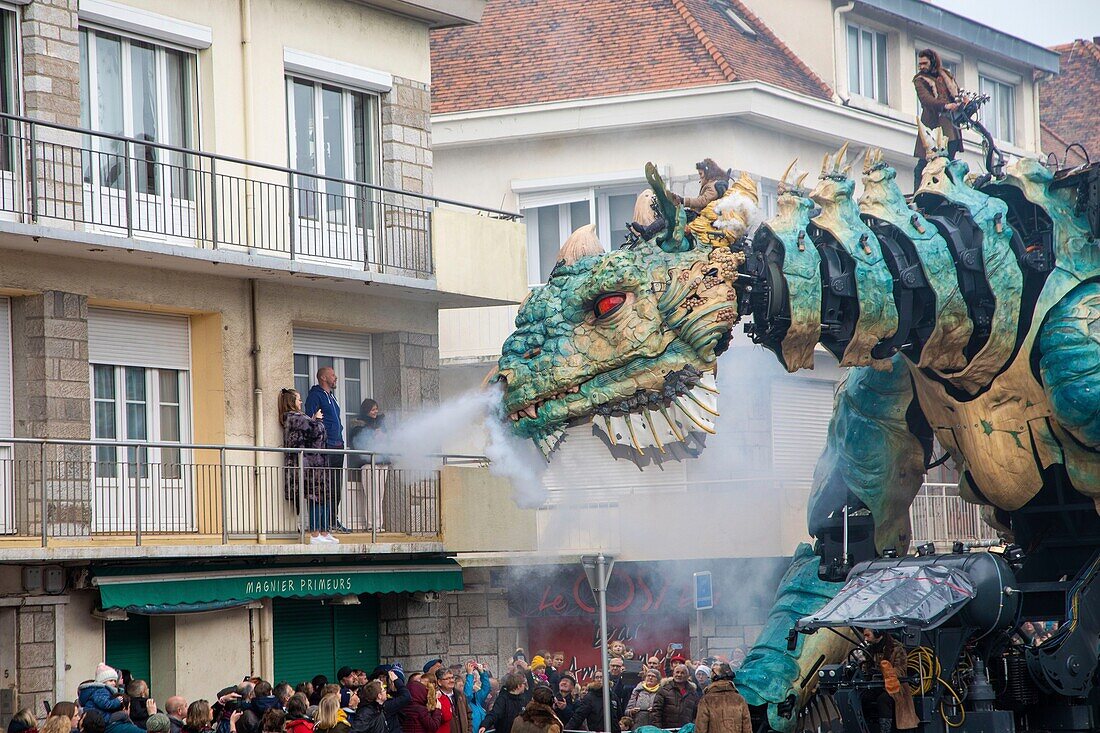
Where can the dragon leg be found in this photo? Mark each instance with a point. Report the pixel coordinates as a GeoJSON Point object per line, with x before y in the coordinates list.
{"type": "Point", "coordinates": [873, 460]}
{"type": "Point", "coordinates": [1069, 342]}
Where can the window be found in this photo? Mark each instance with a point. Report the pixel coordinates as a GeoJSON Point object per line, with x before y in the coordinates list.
{"type": "Point", "coordinates": [8, 85]}
{"type": "Point", "coordinates": [333, 132]}
{"type": "Point", "coordinates": [867, 63]}
{"type": "Point", "coordinates": [143, 404]}
{"type": "Point", "coordinates": [549, 225]}
{"type": "Point", "coordinates": [142, 90]}
{"type": "Point", "coordinates": [999, 113]}
{"type": "Point", "coordinates": [352, 375]}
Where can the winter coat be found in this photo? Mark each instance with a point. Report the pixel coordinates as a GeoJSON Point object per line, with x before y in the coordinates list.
{"type": "Point", "coordinates": [342, 725]}
{"type": "Point", "coordinates": [299, 725]}
{"type": "Point", "coordinates": [642, 701]}
{"type": "Point", "coordinates": [620, 692]}
{"type": "Point", "coordinates": [370, 718]}
{"type": "Point", "coordinates": [708, 191]}
{"type": "Point", "coordinates": [302, 431]}
{"type": "Point", "coordinates": [905, 714]}
{"type": "Point", "coordinates": [506, 709]}
{"type": "Point", "coordinates": [318, 399]}
{"type": "Point", "coordinates": [477, 698]}
{"type": "Point", "coordinates": [673, 708]}
{"type": "Point", "coordinates": [261, 705]}
{"type": "Point", "coordinates": [176, 723]}
{"type": "Point", "coordinates": [461, 717]}
{"type": "Point", "coordinates": [120, 723]}
{"type": "Point", "coordinates": [588, 715]}
{"type": "Point", "coordinates": [416, 718]}
{"type": "Point", "coordinates": [935, 93]}
{"type": "Point", "coordinates": [537, 718]}
{"type": "Point", "coordinates": [103, 698]}
{"type": "Point", "coordinates": [722, 710]}
{"type": "Point", "coordinates": [447, 709]}
{"type": "Point", "coordinates": [364, 720]}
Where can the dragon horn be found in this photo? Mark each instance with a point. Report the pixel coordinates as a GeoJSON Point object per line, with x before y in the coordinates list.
{"type": "Point", "coordinates": [783, 178]}
{"type": "Point", "coordinates": [941, 140]}
{"type": "Point", "coordinates": [801, 178]}
{"type": "Point", "coordinates": [923, 134]}
{"type": "Point", "coordinates": [841, 156]}
{"type": "Point", "coordinates": [825, 166]}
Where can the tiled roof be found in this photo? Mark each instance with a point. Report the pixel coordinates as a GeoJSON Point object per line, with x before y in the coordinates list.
{"type": "Point", "coordinates": [1067, 103]}
{"type": "Point", "coordinates": [532, 51]}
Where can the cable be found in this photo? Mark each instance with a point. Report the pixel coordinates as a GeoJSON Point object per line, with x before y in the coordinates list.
{"type": "Point", "coordinates": [958, 700]}
{"type": "Point", "coordinates": [923, 662]}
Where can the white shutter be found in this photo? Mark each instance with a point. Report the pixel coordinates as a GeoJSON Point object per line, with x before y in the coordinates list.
{"type": "Point", "coordinates": [5, 369]}
{"type": "Point", "coordinates": [584, 470]}
{"type": "Point", "coordinates": [133, 338]}
{"type": "Point", "coordinates": [332, 343]}
{"type": "Point", "coordinates": [801, 409]}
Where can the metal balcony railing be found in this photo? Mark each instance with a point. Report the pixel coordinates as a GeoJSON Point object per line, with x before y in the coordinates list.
{"type": "Point", "coordinates": [80, 489]}
{"type": "Point", "coordinates": [149, 190]}
{"type": "Point", "coordinates": [940, 515]}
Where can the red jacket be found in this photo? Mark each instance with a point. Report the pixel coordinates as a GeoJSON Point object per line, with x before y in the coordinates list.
{"type": "Point", "coordinates": [415, 717]}
{"type": "Point", "coordinates": [448, 714]}
{"type": "Point", "coordinates": [299, 725]}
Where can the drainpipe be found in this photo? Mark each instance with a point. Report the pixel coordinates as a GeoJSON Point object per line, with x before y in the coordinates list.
{"type": "Point", "coordinates": [840, 33]}
{"type": "Point", "coordinates": [246, 92]}
{"type": "Point", "coordinates": [257, 391]}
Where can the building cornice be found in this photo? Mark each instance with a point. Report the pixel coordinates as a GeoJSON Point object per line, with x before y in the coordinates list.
{"type": "Point", "coordinates": [758, 103]}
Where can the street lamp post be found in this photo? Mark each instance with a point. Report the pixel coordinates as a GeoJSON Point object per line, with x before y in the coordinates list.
{"type": "Point", "coordinates": [598, 570]}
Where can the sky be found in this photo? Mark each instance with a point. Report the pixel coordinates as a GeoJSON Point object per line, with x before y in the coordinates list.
{"type": "Point", "coordinates": [1046, 22]}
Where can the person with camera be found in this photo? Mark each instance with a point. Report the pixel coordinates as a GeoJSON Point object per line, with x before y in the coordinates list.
{"type": "Point", "coordinates": [938, 93]}
{"type": "Point", "coordinates": [565, 701]}
{"type": "Point", "coordinates": [476, 686]}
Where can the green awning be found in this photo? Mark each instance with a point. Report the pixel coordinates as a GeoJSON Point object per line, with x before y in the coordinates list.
{"type": "Point", "coordinates": [134, 589]}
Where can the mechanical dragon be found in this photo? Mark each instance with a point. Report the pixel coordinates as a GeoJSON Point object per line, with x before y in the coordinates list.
{"type": "Point", "coordinates": [969, 313]}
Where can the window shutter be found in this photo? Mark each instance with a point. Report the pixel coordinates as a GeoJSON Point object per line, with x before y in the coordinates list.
{"type": "Point", "coordinates": [332, 343]}
{"type": "Point", "coordinates": [312, 637]}
{"type": "Point", "coordinates": [133, 338]}
{"type": "Point", "coordinates": [801, 410]}
{"type": "Point", "coordinates": [127, 646]}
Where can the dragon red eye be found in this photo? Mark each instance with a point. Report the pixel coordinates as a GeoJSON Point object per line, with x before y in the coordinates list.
{"type": "Point", "coordinates": [607, 304]}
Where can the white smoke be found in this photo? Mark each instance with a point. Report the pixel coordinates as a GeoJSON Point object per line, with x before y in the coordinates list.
{"type": "Point", "coordinates": [416, 444]}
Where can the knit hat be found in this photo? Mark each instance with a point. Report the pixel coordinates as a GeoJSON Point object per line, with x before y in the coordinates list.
{"type": "Point", "coordinates": [431, 663]}
{"type": "Point", "coordinates": [537, 662]}
{"type": "Point", "coordinates": [704, 669]}
{"type": "Point", "coordinates": [104, 674]}
{"type": "Point", "coordinates": [158, 723]}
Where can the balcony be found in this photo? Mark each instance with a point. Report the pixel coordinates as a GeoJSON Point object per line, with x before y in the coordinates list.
{"type": "Point", "coordinates": [64, 495]}
{"type": "Point", "coordinates": [940, 515]}
{"type": "Point", "coordinates": [170, 197]}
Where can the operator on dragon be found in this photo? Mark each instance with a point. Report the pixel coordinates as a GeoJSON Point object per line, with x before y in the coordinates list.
{"type": "Point", "coordinates": [938, 93]}
{"type": "Point", "coordinates": [893, 705]}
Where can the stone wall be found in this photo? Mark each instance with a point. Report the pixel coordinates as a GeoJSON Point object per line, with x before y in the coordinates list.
{"type": "Point", "coordinates": [407, 137]}
{"type": "Point", "coordinates": [472, 623]}
{"type": "Point", "coordinates": [406, 370]}
{"type": "Point", "coordinates": [37, 656]}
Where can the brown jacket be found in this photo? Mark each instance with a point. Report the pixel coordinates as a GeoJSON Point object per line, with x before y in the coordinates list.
{"type": "Point", "coordinates": [537, 718]}
{"type": "Point", "coordinates": [461, 719]}
{"type": "Point", "coordinates": [905, 714]}
{"type": "Point", "coordinates": [935, 93]}
{"type": "Point", "coordinates": [722, 710]}
{"type": "Point", "coordinates": [707, 193]}
{"type": "Point", "coordinates": [673, 708]}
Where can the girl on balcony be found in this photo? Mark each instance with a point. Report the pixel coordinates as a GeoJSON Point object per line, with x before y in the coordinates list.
{"type": "Point", "coordinates": [302, 431]}
{"type": "Point", "coordinates": [366, 432]}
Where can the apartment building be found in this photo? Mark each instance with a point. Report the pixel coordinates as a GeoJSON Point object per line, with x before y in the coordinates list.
{"type": "Point", "coordinates": [552, 109]}
{"type": "Point", "coordinates": [201, 204]}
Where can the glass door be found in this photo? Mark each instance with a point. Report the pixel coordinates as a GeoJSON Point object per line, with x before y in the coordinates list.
{"type": "Point", "coordinates": [332, 133]}
{"type": "Point", "coordinates": [141, 404]}
{"type": "Point", "coordinates": [140, 90]}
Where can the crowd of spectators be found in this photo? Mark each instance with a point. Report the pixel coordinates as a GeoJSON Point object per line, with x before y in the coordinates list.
{"type": "Point", "coordinates": [537, 696]}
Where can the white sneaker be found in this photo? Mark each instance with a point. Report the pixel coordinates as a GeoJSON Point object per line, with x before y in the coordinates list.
{"type": "Point", "coordinates": [330, 539]}
{"type": "Point", "coordinates": [318, 540]}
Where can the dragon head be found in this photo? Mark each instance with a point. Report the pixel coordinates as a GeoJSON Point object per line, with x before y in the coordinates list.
{"type": "Point", "coordinates": [621, 333]}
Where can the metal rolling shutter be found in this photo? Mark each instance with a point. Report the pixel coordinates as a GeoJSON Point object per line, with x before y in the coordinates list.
{"type": "Point", "coordinates": [5, 369]}
{"type": "Point", "coordinates": [127, 646]}
{"type": "Point", "coordinates": [312, 637]}
{"type": "Point", "coordinates": [801, 409]}
{"type": "Point", "coordinates": [133, 338]}
{"type": "Point", "coordinates": [332, 343]}
{"type": "Point", "coordinates": [586, 471]}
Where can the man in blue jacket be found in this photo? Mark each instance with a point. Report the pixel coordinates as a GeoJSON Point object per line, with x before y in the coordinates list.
{"type": "Point", "coordinates": [322, 397]}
